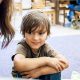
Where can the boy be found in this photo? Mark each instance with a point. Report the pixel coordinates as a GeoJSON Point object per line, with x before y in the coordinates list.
{"type": "Point", "coordinates": [34, 58]}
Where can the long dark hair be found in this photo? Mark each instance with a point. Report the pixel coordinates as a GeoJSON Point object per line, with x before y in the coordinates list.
{"type": "Point", "coordinates": [6, 28]}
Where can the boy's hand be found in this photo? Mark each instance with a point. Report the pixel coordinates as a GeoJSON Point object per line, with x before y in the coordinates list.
{"type": "Point", "coordinates": [31, 74]}
{"type": "Point", "coordinates": [55, 63]}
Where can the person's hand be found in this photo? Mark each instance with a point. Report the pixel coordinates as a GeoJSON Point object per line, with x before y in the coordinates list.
{"type": "Point", "coordinates": [31, 74]}
{"type": "Point", "coordinates": [55, 63]}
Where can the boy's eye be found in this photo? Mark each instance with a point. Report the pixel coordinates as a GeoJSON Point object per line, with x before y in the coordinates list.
{"type": "Point", "coordinates": [29, 32]}
{"type": "Point", "coordinates": [41, 33]}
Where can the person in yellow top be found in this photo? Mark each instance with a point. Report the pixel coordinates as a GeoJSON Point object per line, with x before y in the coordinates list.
{"type": "Point", "coordinates": [34, 58]}
{"type": "Point", "coordinates": [6, 29]}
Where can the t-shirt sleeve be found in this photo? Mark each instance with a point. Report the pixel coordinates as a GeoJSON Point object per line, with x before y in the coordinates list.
{"type": "Point", "coordinates": [20, 50]}
{"type": "Point", "coordinates": [50, 51]}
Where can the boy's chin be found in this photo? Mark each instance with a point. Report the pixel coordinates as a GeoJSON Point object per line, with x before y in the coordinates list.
{"type": "Point", "coordinates": [35, 48]}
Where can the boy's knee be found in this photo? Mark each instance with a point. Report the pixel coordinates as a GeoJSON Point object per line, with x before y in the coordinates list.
{"type": "Point", "coordinates": [56, 76]}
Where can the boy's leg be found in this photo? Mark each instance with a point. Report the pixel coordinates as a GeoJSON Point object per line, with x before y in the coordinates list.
{"type": "Point", "coordinates": [56, 76]}
{"type": "Point", "coordinates": [16, 75]}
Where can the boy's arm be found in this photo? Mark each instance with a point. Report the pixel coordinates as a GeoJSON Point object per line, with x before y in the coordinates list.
{"type": "Point", "coordinates": [56, 65]}
{"type": "Point", "coordinates": [59, 62]}
{"type": "Point", "coordinates": [25, 64]}
{"type": "Point", "coordinates": [44, 70]}
{"type": "Point", "coordinates": [21, 63]}
{"type": "Point", "coordinates": [55, 59]}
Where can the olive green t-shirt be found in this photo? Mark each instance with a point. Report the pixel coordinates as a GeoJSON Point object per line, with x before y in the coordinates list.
{"type": "Point", "coordinates": [45, 50]}
{"type": "Point", "coordinates": [24, 49]}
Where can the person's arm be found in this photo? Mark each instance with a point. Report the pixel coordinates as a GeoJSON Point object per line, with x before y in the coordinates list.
{"type": "Point", "coordinates": [25, 64]}
{"type": "Point", "coordinates": [44, 70]}
{"type": "Point", "coordinates": [21, 63]}
{"type": "Point", "coordinates": [59, 62]}
{"type": "Point", "coordinates": [55, 59]}
{"type": "Point", "coordinates": [54, 65]}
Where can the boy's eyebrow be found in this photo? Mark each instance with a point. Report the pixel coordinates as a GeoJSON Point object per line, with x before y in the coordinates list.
{"type": "Point", "coordinates": [41, 30]}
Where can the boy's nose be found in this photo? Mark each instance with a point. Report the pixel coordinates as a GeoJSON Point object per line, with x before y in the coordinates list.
{"type": "Point", "coordinates": [36, 37]}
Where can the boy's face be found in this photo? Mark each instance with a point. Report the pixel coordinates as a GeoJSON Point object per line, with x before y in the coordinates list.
{"type": "Point", "coordinates": [36, 38]}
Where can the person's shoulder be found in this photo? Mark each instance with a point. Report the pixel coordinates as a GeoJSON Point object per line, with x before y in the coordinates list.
{"type": "Point", "coordinates": [23, 43]}
{"type": "Point", "coordinates": [51, 51]}
{"type": "Point", "coordinates": [47, 45]}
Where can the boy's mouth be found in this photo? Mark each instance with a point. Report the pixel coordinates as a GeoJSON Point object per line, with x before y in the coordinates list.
{"type": "Point", "coordinates": [35, 43]}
